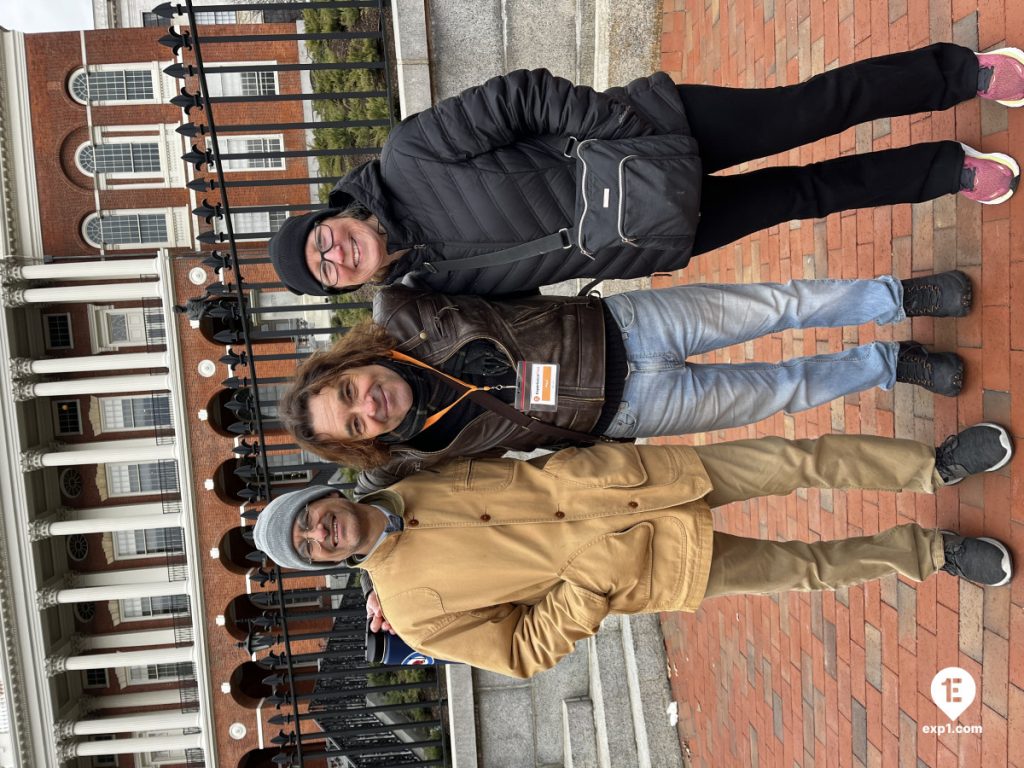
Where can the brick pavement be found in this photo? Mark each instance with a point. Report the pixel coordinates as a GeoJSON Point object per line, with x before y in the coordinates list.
{"type": "Point", "coordinates": [843, 679]}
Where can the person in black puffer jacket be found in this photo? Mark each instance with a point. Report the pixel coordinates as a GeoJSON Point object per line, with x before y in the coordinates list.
{"type": "Point", "coordinates": [487, 170]}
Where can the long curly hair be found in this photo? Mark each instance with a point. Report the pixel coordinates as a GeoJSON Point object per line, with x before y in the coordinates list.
{"type": "Point", "coordinates": [365, 344]}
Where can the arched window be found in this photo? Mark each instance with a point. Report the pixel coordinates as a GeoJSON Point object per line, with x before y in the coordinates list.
{"type": "Point", "coordinates": [112, 86]}
{"type": "Point", "coordinates": [120, 158]}
{"type": "Point", "coordinates": [132, 228]}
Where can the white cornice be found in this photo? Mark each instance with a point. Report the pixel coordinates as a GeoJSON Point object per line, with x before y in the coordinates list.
{"type": "Point", "coordinates": [22, 233]}
{"type": "Point", "coordinates": [24, 648]}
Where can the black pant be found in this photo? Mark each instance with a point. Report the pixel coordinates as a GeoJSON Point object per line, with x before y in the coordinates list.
{"type": "Point", "coordinates": [734, 125]}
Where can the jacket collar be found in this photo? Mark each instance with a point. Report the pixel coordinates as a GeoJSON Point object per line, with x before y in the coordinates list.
{"type": "Point", "coordinates": [395, 504]}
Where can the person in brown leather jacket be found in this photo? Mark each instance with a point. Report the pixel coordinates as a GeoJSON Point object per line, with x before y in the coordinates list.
{"type": "Point", "coordinates": [435, 376]}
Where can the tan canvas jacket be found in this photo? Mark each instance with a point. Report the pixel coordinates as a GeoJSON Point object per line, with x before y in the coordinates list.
{"type": "Point", "coordinates": [505, 564]}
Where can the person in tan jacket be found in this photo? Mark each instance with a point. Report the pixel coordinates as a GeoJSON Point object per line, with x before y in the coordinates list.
{"type": "Point", "coordinates": [505, 564]}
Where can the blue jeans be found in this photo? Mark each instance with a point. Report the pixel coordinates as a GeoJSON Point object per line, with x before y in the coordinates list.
{"type": "Point", "coordinates": [665, 395]}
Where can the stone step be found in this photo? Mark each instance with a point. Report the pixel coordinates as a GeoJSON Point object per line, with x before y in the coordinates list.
{"type": "Point", "coordinates": [579, 736]}
{"type": "Point", "coordinates": [630, 695]}
{"type": "Point", "coordinates": [650, 688]}
{"type": "Point", "coordinates": [609, 684]}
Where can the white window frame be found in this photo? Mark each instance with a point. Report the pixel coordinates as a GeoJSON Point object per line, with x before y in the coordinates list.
{"type": "Point", "coordinates": [219, 17]}
{"type": "Point", "coordinates": [106, 403]}
{"type": "Point", "coordinates": [95, 686]}
{"type": "Point", "coordinates": [230, 83]}
{"type": "Point", "coordinates": [148, 319]}
{"type": "Point", "coordinates": [121, 544]}
{"type": "Point", "coordinates": [141, 675]}
{"type": "Point", "coordinates": [127, 615]}
{"type": "Point", "coordinates": [134, 245]}
{"type": "Point", "coordinates": [141, 140]}
{"type": "Point", "coordinates": [115, 471]}
{"type": "Point", "coordinates": [56, 415]}
{"type": "Point", "coordinates": [252, 221]}
{"type": "Point", "coordinates": [233, 145]}
{"type": "Point", "coordinates": [177, 223]}
{"type": "Point", "coordinates": [284, 458]}
{"type": "Point", "coordinates": [164, 86]}
{"type": "Point", "coordinates": [46, 331]}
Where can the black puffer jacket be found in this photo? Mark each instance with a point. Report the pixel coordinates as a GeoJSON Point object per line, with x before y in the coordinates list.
{"type": "Point", "coordinates": [432, 327]}
{"type": "Point", "coordinates": [484, 171]}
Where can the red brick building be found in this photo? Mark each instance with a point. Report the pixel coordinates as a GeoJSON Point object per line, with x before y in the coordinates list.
{"type": "Point", "coordinates": [120, 517]}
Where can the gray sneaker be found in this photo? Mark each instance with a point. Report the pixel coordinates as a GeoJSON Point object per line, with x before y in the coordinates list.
{"type": "Point", "coordinates": [981, 560]}
{"type": "Point", "coordinates": [984, 447]}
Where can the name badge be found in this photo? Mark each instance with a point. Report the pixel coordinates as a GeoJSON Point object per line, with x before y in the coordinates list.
{"type": "Point", "coordinates": [536, 386]}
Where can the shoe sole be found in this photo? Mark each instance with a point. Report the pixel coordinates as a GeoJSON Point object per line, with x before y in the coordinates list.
{"type": "Point", "coordinates": [1004, 440]}
{"type": "Point", "coordinates": [1018, 55]}
{"type": "Point", "coordinates": [1004, 160]}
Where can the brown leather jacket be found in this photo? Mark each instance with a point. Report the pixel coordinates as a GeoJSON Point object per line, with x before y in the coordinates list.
{"type": "Point", "coordinates": [432, 327]}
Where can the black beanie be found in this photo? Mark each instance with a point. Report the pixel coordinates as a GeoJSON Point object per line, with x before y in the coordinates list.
{"type": "Point", "coordinates": [288, 253]}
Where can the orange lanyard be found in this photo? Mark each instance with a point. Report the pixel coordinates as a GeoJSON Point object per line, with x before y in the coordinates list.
{"type": "Point", "coordinates": [433, 418]}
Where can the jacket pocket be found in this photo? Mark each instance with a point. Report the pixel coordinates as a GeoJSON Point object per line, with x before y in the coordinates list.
{"type": "Point", "coordinates": [642, 191]}
{"type": "Point", "coordinates": [617, 565]}
{"type": "Point", "coordinates": [652, 187]}
{"type": "Point", "coordinates": [599, 466]}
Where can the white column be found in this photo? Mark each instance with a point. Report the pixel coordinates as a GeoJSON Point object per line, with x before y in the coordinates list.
{"type": "Point", "coordinates": [118, 442]}
{"type": "Point", "coordinates": [106, 453]}
{"type": "Point", "coordinates": [112, 524]}
{"type": "Point", "coordinates": [152, 721]}
{"type": "Point", "coordinates": [122, 510]}
{"type": "Point", "coordinates": [90, 293]}
{"type": "Point", "coordinates": [155, 698]}
{"type": "Point", "coordinates": [111, 592]}
{"type": "Point", "coordinates": [139, 658]}
{"type": "Point", "coordinates": [101, 385]}
{"type": "Point", "coordinates": [110, 362]}
{"type": "Point", "coordinates": [79, 270]}
{"type": "Point", "coordinates": [113, 640]}
{"type": "Point", "coordinates": [154, 575]}
{"type": "Point", "coordinates": [138, 744]}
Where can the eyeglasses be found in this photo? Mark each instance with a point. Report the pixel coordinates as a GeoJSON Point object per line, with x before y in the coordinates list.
{"type": "Point", "coordinates": [305, 548]}
{"type": "Point", "coordinates": [323, 239]}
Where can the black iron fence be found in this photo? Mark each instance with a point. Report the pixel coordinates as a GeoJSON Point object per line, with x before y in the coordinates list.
{"type": "Point", "coordinates": [280, 99]}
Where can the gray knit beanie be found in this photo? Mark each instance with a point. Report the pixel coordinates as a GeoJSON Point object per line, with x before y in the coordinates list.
{"type": "Point", "coordinates": [273, 530]}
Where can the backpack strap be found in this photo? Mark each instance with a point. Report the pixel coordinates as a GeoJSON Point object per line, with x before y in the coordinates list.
{"type": "Point", "coordinates": [561, 239]}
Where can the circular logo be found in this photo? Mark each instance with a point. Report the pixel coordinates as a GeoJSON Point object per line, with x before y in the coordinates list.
{"type": "Point", "coordinates": [415, 659]}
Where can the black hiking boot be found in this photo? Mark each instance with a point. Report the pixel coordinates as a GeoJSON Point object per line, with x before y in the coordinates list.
{"type": "Point", "coordinates": [947, 294]}
{"type": "Point", "coordinates": [938, 372]}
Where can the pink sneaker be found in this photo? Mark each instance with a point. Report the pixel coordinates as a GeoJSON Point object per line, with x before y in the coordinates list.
{"type": "Point", "coordinates": [988, 178]}
{"type": "Point", "coordinates": [1001, 76]}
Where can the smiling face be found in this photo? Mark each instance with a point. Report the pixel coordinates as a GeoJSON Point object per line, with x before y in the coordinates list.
{"type": "Point", "coordinates": [357, 251]}
{"type": "Point", "coordinates": [368, 401]}
{"type": "Point", "coordinates": [333, 528]}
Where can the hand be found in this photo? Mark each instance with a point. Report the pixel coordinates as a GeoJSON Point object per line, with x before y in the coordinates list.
{"type": "Point", "coordinates": [376, 615]}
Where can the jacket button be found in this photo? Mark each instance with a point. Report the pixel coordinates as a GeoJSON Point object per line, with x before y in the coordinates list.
{"type": "Point", "coordinates": [559, 514]}
{"type": "Point", "coordinates": [485, 518]}
{"type": "Point", "coordinates": [423, 335]}
{"type": "Point", "coordinates": [633, 505]}
{"type": "Point", "coordinates": [413, 522]}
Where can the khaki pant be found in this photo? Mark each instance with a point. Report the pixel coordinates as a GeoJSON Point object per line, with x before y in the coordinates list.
{"type": "Point", "coordinates": [773, 466]}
